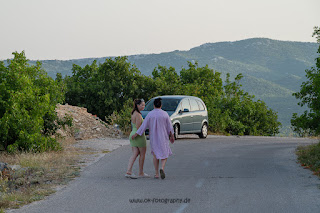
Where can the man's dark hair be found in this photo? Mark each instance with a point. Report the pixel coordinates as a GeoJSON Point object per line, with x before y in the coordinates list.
{"type": "Point", "coordinates": [157, 102]}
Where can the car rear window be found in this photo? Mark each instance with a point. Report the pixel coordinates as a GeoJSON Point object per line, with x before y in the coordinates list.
{"type": "Point", "coordinates": [185, 104]}
{"type": "Point", "coordinates": [194, 105]}
{"type": "Point", "coordinates": [200, 105]}
{"type": "Point", "coordinates": [168, 104]}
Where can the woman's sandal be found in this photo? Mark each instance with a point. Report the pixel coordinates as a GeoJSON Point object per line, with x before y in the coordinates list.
{"type": "Point", "coordinates": [144, 176]}
{"type": "Point", "coordinates": [155, 177]}
{"type": "Point", "coordinates": [132, 176]}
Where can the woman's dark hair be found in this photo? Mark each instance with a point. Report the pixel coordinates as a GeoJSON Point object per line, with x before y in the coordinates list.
{"type": "Point", "coordinates": [135, 105]}
{"type": "Point", "coordinates": [157, 102]}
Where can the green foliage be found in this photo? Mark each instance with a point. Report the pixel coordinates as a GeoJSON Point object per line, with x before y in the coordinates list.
{"type": "Point", "coordinates": [308, 123]}
{"type": "Point", "coordinates": [230, 109]}
{"type": "Point", "coordinates": [166, 81]}
{"type": "Point", "coordinates": [122, 118]}
{"type": "Point", "coordinates": [200, 81]}
{"type": "Point", "coordinates": [28, 98]}
{"type": "Point", "coordinates": [52, 123]}
{"type": "Point", "coordinates": [109, 89]}
{"type": "Point", "coordinates": [105, 88]}
{"type": "Point", "coordinates": [272, 80]}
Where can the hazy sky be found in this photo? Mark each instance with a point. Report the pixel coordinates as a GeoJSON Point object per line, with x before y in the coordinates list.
{"type": "Point", "coordinates": [70, 29]}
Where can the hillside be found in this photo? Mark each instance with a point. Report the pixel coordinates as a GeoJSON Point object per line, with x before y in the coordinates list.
{"type": "Point", "coordinates": [272, 69]}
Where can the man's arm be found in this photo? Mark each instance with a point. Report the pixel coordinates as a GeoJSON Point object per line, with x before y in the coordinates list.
{"type": "Point", "coordinates": [170, 129]}
{"type": "Point", "coordinates": [169, 125]}
{"type": "Point", "coordinates": [171, 137]}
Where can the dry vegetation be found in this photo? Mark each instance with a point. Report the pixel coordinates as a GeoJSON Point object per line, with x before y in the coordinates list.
{"type": "Point", "coordinates": [309, 157]}
{"type": "Point", "coordinates": [39, 175]}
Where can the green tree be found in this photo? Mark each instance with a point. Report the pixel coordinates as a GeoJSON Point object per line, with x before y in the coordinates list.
{"type": "Point", "coordinates": [244, 115]}
{"type": "Point", "coordinates": [109, 89]}
{"type": "Point", "coordinates": [230, 109]}
{"type": "Point", "coordinates": [201, 81]}
{"type": "Point", "coordinates": [106, 87]}
{"type": "Point", "coordinates": [166, 81]}
{"type": "Point", "coordinates": [28, 98]}
{"type": "Point", "coordinates": [308, 123]}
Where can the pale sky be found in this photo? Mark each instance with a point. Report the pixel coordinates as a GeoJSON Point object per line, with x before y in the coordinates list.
{"type": "Point", "coordinates": [72, 29]}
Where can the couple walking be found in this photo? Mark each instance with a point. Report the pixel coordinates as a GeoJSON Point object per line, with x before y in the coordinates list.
{"type": "Point", "coordinates": [160, 131]}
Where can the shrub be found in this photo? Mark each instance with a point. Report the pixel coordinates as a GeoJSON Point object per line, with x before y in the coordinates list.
{"type": "Point", "coordinates": [105, 89]}
{"type": "Point", "coordinates": [28, 97]}
{"type": "Point", "coordinates": [122, 118]}
{"type": "Point", "coordinates": [309, 156]}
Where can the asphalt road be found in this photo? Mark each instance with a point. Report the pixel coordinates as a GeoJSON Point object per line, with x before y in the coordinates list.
{"type": "Point", "coordinates": [217, 174]}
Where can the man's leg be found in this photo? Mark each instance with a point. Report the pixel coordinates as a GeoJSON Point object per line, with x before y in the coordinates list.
{"type": "Point", "coordinates": [163, 163]}
{"type": "Point", "coordinates": [156, 165]}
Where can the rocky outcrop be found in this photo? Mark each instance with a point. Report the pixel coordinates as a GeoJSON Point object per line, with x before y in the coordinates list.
{"type": "Point", "coordinates": [85, 125]}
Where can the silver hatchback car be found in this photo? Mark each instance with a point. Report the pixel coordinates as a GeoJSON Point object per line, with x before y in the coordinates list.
{"type": "Point", "coordinates": [188, 114]}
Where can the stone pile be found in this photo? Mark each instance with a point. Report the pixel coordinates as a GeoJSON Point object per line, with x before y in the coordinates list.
{"type": "Point", "coordinates": [7, 170]}
{"type": "Point", "coordinates": [4, 169]}
{"type": "Point", "coordinates": [85, 125]}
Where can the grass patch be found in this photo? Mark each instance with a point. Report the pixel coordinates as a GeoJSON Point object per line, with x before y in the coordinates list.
{"type": "Point", "coordinates": [24, 196]}
{"type": "Point", "coordinates": [309, 157]}
{"type": "Point", "coordinates": [39, 175]}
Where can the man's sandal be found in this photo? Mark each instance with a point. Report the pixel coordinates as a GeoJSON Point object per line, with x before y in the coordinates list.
{"type": "Point", "coordinates": [162, 174]}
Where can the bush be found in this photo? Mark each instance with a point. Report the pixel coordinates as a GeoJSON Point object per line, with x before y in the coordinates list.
{"type": "Point", "coordinates": [309, 156]}
{"type": "Point", "coordinates": [122, 118]}
{"type": "Point", "coordinates": [308, 123]}
{"type": "Point", "coordinates": [28, 98]}
{"type": "Point", "coordinates": [106, 89]}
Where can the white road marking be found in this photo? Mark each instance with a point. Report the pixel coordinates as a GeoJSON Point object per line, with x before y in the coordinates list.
{"type": "Point", "coordinates": [200, 183]}
{"type": "Point", "coordinates": [182, 207]}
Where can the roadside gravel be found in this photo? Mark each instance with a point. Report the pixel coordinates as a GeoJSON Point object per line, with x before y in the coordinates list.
{"type": "Point", "coordinates": [94, 149]}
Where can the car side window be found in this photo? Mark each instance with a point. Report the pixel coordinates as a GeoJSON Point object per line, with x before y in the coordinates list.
{"type": "Point", "coordinates": [194, 105]}
{"type": "Point", "coordinates": [185, 104]}
{"type": "Point", "coordinates": [200, 105]}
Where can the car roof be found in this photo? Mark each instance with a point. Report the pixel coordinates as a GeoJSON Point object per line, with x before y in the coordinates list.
{"type": "Point", "coordinates": [176, 96]}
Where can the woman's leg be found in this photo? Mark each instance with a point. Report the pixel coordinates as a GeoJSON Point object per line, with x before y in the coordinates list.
{"type": "Point", "coordinates": [156, 165]}
{"type": "Point", "coordinates": [135, 153]}
{"type": "Point", "coordinates": [142, 151]}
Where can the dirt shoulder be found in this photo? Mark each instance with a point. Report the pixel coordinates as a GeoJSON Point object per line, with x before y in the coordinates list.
{"type": "Point", "coordinates": [94, 149]}
{"type": "Point", "coordinates": [28, 177]}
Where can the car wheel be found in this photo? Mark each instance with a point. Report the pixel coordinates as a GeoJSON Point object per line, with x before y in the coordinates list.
{"type": "Point", "coordinates": [204, 131]}
{"type": "Point", "coordinates": [176, 131]}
